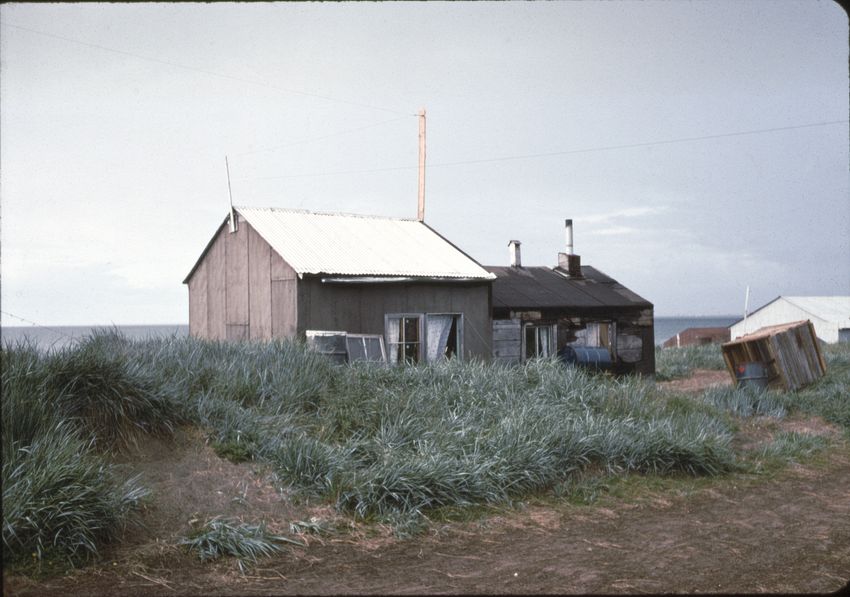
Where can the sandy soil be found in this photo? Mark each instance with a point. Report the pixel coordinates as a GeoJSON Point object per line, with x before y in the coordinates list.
{"type": "Point", "coordinates": [790, 533]}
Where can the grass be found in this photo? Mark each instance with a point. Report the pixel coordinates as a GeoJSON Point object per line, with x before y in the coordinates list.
{"type": "Point", "coordinates": [678, 363]}
{"type": "Point", "coordinates": [219, 537]}
{"type": "Point", "coordinates": [397, 445]}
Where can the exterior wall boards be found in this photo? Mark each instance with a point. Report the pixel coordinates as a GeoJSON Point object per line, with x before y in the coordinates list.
{"type": "Point", "coordinates": [236, 255]}
{"type": "Point", "coordinates": [260, 286]}
{"type": "Point", "coordinates": [198, 312]}
{"type": "Point", "coordinates": [360, 308]}
{"type": "Point", "coordinates": [216, 283]}
{"type": "Point", "coordinates": [284, 293]}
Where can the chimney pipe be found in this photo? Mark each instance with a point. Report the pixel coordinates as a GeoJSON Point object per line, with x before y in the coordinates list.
{"type": "Point", "coordinates": [513, 251]}
{"type": "Point", "coordinates": [569, 262]}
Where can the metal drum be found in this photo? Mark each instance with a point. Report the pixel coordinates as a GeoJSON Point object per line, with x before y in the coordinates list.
{"type": "Point", "coordinates": [591, 357]}
{"type": "Point", "coordinates": [752, 375]}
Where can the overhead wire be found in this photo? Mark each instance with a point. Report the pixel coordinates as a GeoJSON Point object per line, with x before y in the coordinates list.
{"type": "Point", "coordinates": [552, 153]}
{"type": "Point", "coordinates": [205, 71]}
{"type": "Point", "coordinates": [37, 324]}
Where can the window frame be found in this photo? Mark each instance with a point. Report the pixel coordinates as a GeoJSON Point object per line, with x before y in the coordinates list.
{"type": "Point", "coordinates": [391, 346]}
{"type": "Point", "coordinates": [551, 329]}
{"type": "Point", "coordinates": [422, 332]}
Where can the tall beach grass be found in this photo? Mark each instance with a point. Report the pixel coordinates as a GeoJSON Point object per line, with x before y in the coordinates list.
{"type": "Point", "coordinates": [378, 442]}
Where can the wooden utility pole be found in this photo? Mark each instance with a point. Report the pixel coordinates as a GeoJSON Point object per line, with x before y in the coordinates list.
{"type": "Point", "coordinates": [421, 210]}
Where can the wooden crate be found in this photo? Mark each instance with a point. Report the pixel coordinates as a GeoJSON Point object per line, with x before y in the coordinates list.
{"type": "Point", "coordinates": [790, 351]}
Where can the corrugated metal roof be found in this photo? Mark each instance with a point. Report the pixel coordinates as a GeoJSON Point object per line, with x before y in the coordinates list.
{"type": "Point", "coordinates": [828, 308]}
{"type": "Point", "coordinates": [544, 288]}
{"type": "Point", "coordinates": [348, 244]}
{"type": "Point", "coordinates": [834, 309]}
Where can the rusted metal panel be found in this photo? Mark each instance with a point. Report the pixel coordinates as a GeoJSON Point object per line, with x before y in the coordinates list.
{"type": "Point", "coordinates": [216, 284]}
{"type": "Point", "coordinates": [198, 326]}
{"type": "Point", "coordinates": [259, 280]}
{"type": "Point", "coordinates": [236, 254]}
{"type": "Point", "coordinates": [789, 351]}
{"type": "Point", "coordinates": [284, 308]}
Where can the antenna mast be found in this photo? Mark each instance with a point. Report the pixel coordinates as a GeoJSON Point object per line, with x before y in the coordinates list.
{"type": "Point", "coordinates": [421, 211]}
{"type": "Point", "coordinates": [230, 194]}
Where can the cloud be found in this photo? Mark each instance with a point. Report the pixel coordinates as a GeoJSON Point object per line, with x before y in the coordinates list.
{"type": "Point", "coordinates": [614, 231]}
{"type": "Point", "coordinates": [629, 212]}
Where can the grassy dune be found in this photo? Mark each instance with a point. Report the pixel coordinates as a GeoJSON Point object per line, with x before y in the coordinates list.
{"type": "Point", "coordinates": [377, 442]}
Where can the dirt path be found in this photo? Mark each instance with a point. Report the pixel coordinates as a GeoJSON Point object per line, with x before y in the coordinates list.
{"type": "Point", "coordinates": [789, 535]}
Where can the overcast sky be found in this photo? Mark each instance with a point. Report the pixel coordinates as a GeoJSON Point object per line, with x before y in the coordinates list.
{"type": "Point", "coordinates": [699, 147]}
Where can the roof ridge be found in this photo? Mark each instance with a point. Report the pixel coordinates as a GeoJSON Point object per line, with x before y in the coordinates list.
{"type": "Point", "coordinates": [325, 213]}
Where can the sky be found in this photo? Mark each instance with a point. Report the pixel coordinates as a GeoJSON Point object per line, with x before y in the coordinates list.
{"type": "Point", "coordinates": [698, 147]}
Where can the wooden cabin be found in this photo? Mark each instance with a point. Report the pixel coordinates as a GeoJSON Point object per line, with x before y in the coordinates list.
{"type": "Point", "coordinates": [543, 311]}
{"type": "Point", "coordinates": [278, 273]}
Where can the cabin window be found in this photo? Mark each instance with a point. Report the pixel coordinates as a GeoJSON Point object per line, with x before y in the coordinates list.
{"type": "Point", "coordinates": [539, 341]}
{"type": "Point", "coordinates": [414, 337]}
{"type": "Point", "coordinates": [404, 338]}
{"type": "Point", "coordinates": [365, 347]}
{"type": "Point", "coordinates": [443, 335]}
{"type": "Point", "coordinates": [596, 334]}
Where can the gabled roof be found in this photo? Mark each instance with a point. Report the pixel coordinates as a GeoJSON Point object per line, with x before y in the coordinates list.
{"type": "Point", "coordinates": [359, 245]}
{"type": "Point", "coordinates": [545, 288]}
{"type": "Point", "coordinates": [835, 309]}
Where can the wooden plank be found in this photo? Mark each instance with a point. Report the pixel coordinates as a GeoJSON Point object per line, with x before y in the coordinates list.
{"type": "Point", "coordinates": [216, 282]}
{"type": "Point", "coordinates": [237, 333]}
{"type": "Point", "coordinates": [198, 327]}
{"type": "Point", "coordinates": [259, 280]}
{"type": "Point", "coordinates": [817, 348]}
{"type": "Point", "coordinates": [280, 269]}
{"type": "Point", "coordinates": [284, 316]}
{"type": "Point", "coordinates": [236, 272]}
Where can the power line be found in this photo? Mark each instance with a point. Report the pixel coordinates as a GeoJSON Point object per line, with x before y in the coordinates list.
{"type": "Point", "coordinates": [644, 144]}
{"type": "Point", "coordinates": [203, 70]}
{"type": "Point", "coordinates": [37, 324]}
{"type": "Point", "coordinates": [328, 136]}
{"type": "Point", "coordinates": [556, 153]}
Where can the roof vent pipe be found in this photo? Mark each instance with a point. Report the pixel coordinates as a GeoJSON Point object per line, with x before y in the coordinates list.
{"type": "Point", "coordinates": [513, 251]}
{"type": "Point", "coordinates": [568, 228]}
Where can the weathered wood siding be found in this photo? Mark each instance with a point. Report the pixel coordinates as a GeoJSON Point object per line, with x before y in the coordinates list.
{"type": "Point", "coordinates": [634, 341]}
{"type": "Point", "coordinates": [360, 308]}
{"type": "Point", "coordinates": [242, 289]}
{"type": "Point", "coordinates": [507, 340]}
{"type": "Point", "coordinates": [198, 311]}
{"type": "Point", "coordinates": [284, 298]}
{"type": "Point", "coordinates": [216, 284]}
{"type": "Point", "coordinates": [237, 290]}
{"type": "Point", "coordinates": [259, 286]}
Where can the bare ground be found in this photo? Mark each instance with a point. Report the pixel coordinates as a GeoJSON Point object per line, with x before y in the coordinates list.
{"type": "Point", "coordinates": [788, 533]}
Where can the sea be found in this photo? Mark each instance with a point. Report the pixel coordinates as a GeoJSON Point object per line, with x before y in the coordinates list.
{"type": "Point", "coordinates": [57, 337]}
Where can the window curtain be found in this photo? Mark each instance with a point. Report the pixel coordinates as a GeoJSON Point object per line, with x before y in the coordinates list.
{"type": "Point", "coordinates": [393, 325]}
{"type": "Point", "coordinates": [437, 328]}
{"type": "Point", "coordinates": [544, 337]}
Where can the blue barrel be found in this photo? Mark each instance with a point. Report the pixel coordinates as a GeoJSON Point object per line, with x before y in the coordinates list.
{"type": "Point", "coordinates": [752, 375]}
{"type": "Point", "coordinates": [591, 357]}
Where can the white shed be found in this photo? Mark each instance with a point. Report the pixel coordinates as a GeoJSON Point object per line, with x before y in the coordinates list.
{"type": "Point", "coordinates": [829, 314]}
